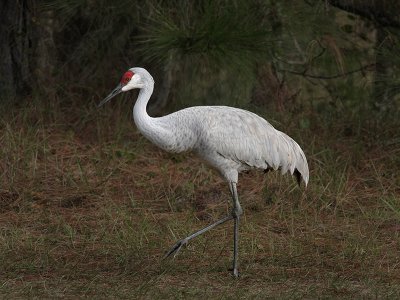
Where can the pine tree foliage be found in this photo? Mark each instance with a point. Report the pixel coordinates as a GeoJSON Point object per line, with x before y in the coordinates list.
{"type": "Point", "coordinates": [212, 52]}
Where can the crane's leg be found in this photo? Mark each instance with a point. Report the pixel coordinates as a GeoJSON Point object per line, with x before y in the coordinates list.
{"type": "Point", "coordinates": [175, 249]}
{"type": "Point", "coordinates": [237, 211]}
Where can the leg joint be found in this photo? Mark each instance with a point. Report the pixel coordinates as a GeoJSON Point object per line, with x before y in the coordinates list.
{"type": "Point", "coordinates": [237, 211]}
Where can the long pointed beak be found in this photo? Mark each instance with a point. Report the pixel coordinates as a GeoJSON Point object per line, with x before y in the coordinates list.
{"type": "Point", "coordinates": [115, 92]}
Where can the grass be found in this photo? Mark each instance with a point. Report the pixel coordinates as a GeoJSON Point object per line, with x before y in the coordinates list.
{"type": "Point", "coordinates": [88, 208]}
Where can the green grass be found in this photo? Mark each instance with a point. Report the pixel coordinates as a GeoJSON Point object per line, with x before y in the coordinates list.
{"type": "Point", "coordinates": [89, 208]}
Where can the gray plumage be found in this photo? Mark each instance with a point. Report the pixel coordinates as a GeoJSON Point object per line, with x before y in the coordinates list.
{"type": "Point", "coordinates": [229, 139]}
{"type": "Point", "coordinates": [233, 140]}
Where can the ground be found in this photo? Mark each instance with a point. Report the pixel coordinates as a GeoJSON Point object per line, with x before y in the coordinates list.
{"type": "Point", "coordinates": [88, 208]}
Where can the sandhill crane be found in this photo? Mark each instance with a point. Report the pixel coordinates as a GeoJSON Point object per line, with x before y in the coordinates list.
{"type": "Point", "coordinates": [229, 139]}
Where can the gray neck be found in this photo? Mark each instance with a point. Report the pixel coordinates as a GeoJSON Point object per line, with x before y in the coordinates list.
{"type": "Point", "coordinates": [152, 128]}
{"type": "Point", "coordinates": [140, 115]}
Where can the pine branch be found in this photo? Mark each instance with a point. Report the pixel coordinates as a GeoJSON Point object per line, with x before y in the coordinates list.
{"type": "Point", "coordinates": [304, 73]}
{"type": "Point", "coordinates": [385, 13]}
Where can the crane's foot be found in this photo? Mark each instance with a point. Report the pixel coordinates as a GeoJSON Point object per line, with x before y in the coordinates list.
{"type": "Point", "coordinates": [235, 272]}
{"type": "Point", "coordinates": [175, 249]}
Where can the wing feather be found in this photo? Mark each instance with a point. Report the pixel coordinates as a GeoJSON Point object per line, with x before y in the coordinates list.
{"type": "Point", "coordinates": [246, 138]}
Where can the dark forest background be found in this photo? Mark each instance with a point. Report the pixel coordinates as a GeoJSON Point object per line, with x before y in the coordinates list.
{"type": "Point", "coordinates": [88, 206]}
{"type": "Point", "coordinates": [331, 53]}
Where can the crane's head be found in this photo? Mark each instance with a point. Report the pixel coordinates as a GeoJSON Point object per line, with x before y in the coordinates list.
{"type": "Point", "coordinates": [134, 78]}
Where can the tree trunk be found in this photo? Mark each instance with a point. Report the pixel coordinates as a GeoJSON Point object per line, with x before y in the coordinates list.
{"type": "Point", "coordinates": [383, 95]}
{"type": "Point", "coordinates": [385, 14]}
{"type": "Point", "coordinates": [15, 49]}
{"type": "Point", "coordinates": [45, 52]}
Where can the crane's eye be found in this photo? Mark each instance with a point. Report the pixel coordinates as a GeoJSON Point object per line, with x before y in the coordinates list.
{"type": "Point", "coordinates": [126, 77]}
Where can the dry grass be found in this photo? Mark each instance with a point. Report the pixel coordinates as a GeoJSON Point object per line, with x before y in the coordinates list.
{"type": "Point", "coordinates": [88, 208]}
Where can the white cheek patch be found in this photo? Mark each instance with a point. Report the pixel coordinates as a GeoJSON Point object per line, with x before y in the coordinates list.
{"type": "Point", "coordinates": [135, 79]}
{"type": "Point", "coordinates": [135, 82]}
